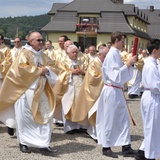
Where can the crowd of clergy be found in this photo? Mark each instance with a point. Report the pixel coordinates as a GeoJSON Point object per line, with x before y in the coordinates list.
{"type": "Point", "coordinates": [41, 85]}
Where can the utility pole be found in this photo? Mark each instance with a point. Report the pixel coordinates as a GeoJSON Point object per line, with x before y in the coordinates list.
{"type": "Point", "coordinates": [17, 32]}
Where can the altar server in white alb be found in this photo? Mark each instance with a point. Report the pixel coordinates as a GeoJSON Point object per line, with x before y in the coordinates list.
{"type": "Point", "coordinates": [112, 123]}
{"type": "Point", "coordinates": [28, 87]}
{"type": "Point", "coordinates": [150, 104]}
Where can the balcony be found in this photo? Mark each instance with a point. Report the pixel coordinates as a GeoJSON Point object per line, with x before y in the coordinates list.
{"type": "Point", "coordinates": [88, 28]}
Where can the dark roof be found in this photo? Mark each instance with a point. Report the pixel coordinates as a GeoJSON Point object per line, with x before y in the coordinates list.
{"type": "Point", "coordinates": [154, 18]}
{"type": "Point", "coordinates": [141, 34]}
{"type": "Point", "coordinates": [114, 21]}
{"type": "Point", "coordinates": [90, 6]}
{"type": "Point", "coordinates": [55, 7]}
{"type": "Point", "coordinates": [62, 22]}
{"type": "Point", "coordinates": [131, 10]}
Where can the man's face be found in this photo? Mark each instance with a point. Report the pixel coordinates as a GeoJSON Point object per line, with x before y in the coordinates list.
{"type": "Point", "coordinates": [61, 42]}
{"type": "Point", "coordinates": [144, 53]}
{"type": "Point", "coordinates": [73, 54]}
{"type": "Point", "coordinates": [121, 43]}
{"type": "Point", "coordinates": [17, 43]}
{"type": "Point", "coordinates": [158, 53]}
{"type": "Point", "coordinates": [66, 44]}
{"type": "Point", "coordinates": [131, 50]}
{"type": "Point", "coordinates": [48, 45]}
{"type": "Point", "coordinates": [92, 50]}
{"type": "Point", "coordinates": [36, 41]}
{"type": "Point", "coordinates": [103, 56]}
{"type": "Point", "coordinates": [139, 50]}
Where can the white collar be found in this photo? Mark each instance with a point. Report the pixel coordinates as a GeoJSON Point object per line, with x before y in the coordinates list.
{"type": "Point", "coordinates": [28, 47]}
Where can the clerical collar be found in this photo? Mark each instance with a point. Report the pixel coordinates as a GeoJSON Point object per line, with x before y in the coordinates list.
{"type": "Point", "coordinates": [28, 47]}
{"type": "Point", "coordinates": [75, 62]}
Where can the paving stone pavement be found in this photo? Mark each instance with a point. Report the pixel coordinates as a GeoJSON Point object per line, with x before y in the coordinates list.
{"type": "Point", "coordinates": [71, 147]}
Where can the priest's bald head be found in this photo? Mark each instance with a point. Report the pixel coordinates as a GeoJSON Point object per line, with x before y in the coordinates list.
{"type": "Point", "coordinates": [35, 40]}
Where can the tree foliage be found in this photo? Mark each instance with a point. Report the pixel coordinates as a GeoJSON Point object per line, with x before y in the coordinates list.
{"type": "Point", "coordinates": [20, 26]}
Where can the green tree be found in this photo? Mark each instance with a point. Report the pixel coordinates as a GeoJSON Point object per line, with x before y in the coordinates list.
{"type": "Point", "coordinates": [10, 27]}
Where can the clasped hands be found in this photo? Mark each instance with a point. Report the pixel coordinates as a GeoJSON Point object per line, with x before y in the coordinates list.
{"type": "Point", "coordinates": [77, 71]}
{"type": "Point", "coordinates": [44, 70]}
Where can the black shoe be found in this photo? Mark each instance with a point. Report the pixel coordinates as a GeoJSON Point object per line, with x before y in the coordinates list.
{"type": "Point", "coordinates": [127, 151]}
{"type": "Point", "coordinates": [72, 132]}
{"type": "Point", "coordinates": [24, 148]}
{"type": "Point", "coordinates": [59, 124]}
{"type": "Point", "coordinates": [46, 150]}
{"type": "Point", "coordinates": [140, 155]}
{"type": "Point", "coordinates": [141, 94]}
{"type": "Point", "coordinates": [109, 153]}
{"type": "Point", "coordinates": [132, 96]}
{"type": "Point", "coordinates": [10, 131]}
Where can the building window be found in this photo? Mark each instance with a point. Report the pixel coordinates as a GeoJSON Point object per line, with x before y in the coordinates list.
{"type": "Point", "coordinates": [91, 20]}
{"type": "Point", "coordinates": [90, 24]}
{"type": "Point", "coordinates": [132, 43]}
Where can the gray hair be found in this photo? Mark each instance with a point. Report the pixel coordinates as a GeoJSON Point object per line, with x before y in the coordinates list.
{"type": "Point", "coordinates": [103, 50]}
{"type": "Point", "coordinates": [70, 47]}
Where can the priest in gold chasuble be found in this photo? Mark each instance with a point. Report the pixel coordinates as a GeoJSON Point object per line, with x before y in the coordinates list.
{"type": "Point", "coordinates": [7, 116]}
{"type": "Point", "coordinates": [28, 87]}
{"type": "Point", "coordinates": [89, 93]}
{"type": "Point", "coordinates": [70, 80]}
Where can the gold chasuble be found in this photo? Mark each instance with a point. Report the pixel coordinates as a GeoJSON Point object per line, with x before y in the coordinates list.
{"type": "Point", "coordinates": [140, 63]}
{"type": "Point", "coordinates": [21, 75]}
{"type": "Point", "coordinates": [5, 50]}
{"type": "Point", "coordinates": [2, 59]}
{"type": "Point", "coordinates": [6, 58]}
{"type": "Point", "coordinates": [89, 93]}
{"type": "Point", "coordinates": [2, 67]}
{"type": "Point", "coordinates": [67, 81]}
{"type": "Point", "coordinates": [124, 55]}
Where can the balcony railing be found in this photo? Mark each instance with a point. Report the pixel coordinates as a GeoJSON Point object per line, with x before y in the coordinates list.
{"type": "Point", "coordinates": [89, 28]}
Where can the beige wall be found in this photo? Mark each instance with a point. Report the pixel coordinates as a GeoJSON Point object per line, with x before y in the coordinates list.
{"type": "Point", "coordinates": [131, 20]}
{"type": "Point", "coordinates": [54, 37]}
{"type": "Point", "coordinates": [136, 23]}
{"type": "Point", "coordinates": [142, 42]}
{"type": "Point", "coordinates": [101, 38]}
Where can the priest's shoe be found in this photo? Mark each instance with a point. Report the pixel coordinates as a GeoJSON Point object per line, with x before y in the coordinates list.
{"type": "Point", "coordinates": [140, 155]}
{"type": "Point", "coordinates": [46, 149]}
{"type": "Point", "coordinates": [24, 148]}
{"type": "Point", "coordinates": [10, 131]}
{"type": "Point", "coordinates": [127, 151]}
{"type": "Point", "coordinates": [109, 153]}
{"type": "Point", "coordinates": [133, 96]}
{"type": "Point", "coordinates": [59, 124]}
{"type": "Point", "coordinates": [71, 132]}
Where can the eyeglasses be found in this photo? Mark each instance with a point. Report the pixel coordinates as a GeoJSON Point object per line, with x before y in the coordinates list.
{"type": "Point", "coordinates": [39, 40]}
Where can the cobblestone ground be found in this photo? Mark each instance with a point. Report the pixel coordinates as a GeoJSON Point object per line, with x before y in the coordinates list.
{"type": "Point", "coordinates": [71, 147]}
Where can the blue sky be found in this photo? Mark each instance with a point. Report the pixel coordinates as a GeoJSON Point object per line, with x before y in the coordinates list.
{"type": "Point", "coordinates": [16, 8]}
